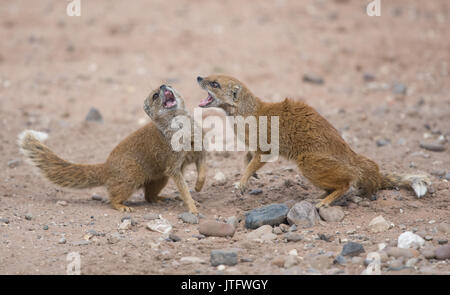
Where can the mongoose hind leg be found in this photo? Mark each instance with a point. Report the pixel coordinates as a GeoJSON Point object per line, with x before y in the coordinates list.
{"type": "Point", "coordinates": [118, 195]}
{"type": "Point", "coordinates": [184, 192]}
{"type": "Point", "coordinates": [328, 173]}
{"type": "Point", "coordinates": [153, 188]}
{"type": "Point", "coordinates": [200, 164]}
{"type": "Point", "coordinates": [248, 158]}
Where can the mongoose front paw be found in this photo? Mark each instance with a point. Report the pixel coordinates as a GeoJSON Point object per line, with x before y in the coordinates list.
{"type": "Point", "coordinates": [199, 186]}
{"type": "Point", "coordinates": [122, 208]}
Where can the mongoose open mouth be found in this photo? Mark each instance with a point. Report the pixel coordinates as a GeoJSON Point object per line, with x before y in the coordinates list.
{"type": "Point", "coordinates": [207, 101]}
{"type": "Point", "coordinates": [169, 99]}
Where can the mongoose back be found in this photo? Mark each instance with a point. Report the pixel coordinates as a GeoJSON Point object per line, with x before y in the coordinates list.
{"type": "Point", "coordinates": [144, 159]}
{"type": "Point", "coordinates": [307, 138]}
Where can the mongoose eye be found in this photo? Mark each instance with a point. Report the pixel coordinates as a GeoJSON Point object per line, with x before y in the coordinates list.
{"type": "Point", "coordinates": [214, 84]}
{"type": "Point", "coordinates": [155, 96]}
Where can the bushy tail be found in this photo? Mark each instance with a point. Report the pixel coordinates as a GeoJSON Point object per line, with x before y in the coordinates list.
{"type": "Point", "coordinates": [419, 183]}
{"type": "Point", "coordinates": [56, 169]}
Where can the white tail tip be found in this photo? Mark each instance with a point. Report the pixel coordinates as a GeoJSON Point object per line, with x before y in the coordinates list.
{"type": "Point", "coordinates": [41, 136]}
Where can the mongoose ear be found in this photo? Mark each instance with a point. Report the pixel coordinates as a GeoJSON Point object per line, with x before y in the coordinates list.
{"type": "Point", "coordinates": [235, 91]}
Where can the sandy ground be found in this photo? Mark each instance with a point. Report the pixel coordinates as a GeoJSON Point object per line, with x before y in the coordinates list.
{"type": "Point", "coordinates": [54, 68]}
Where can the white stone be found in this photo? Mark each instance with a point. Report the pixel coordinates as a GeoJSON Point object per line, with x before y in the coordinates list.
{"type": "Point", "coordinates": [160, 225]}
{"type": "Point", "coordinates": [410, 240]}
{"type": "Point", "coordinates": [378, 224]}
{"type": "Point", "coordinates": [220, 178]}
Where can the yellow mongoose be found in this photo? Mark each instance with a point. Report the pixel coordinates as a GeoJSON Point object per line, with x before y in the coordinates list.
{"type": "Point", "coordinates": [306, 137]}
{"type": "Point", "coordinates": [145, 159]}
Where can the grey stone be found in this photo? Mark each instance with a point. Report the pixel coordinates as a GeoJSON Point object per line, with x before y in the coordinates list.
{"type": "Point", "coordinates": [151, 216]}
{"type": "Point", "coordinates": [96, 198]}
{"type": "Point", "coordinates": [45, 227]}
{"type": "Point", "coordinates": [257, 191]}
{"type": "Point", "coordinates": [331, 214]}
{"type": "Point", "coordinates": [28, 216]}
{"type": "Point", "coordinates": [443, 252]}
{"type": "Point", "coordinates": [273, 214]}
{"type": "Point", "coordinates": [94, 115]}
{"type": "Point", "coordinates": [293, 237]}
{"type": "Point", "coordinates": [399, 88]}
{"type": "Point", "coordinates": [81, 243]}
{"type": "Point", "coordinates": [62, 241]}
{"type": "Point", "coordinates": [434, 147]}
{"type": "Point", "coordinates": [383, 142]}
{"type": "Point", "coordinates": [4, 220]}
{"type": "Point", "coordinates": [174, 237]}
{"type": "Point", "coordinates": [314, 79]}
{"type": "Point", "coordinates": [217, 229]}
{"type": "Point", "coordinates": [303, 214]}
{"type": "Point", "coordinates": [13, 163]}
{"type": "Point", "coordinates": [224, 256]}
{"type": "Point", "coordinates": [352, 249]}
{"type": "Point", "coordinates": [188, 217]}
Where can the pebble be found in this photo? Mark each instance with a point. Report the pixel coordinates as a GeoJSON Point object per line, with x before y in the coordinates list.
{"type": "Point", "coordinates": [378, 224]}
{"type": "Point", "coordinates": [434, 147]}
{"type": "Point", "coordinates": [382, 142]}
{"type": "Point", "coordinates": [4, 220]}
{"type": "Point", "coordinates": [444, 227]}
{"type": "Point", "coordinates": [217, 229]}
{"type": "Point", "coordinates": [94, 115]}
{"type": "Point", "coordinates": [62, 203]}
{"type": "Point", "coordinates": [285, 228]}
{"type": "Point", "coordinates": [411, 262]}
{"type": "Point", "coordinates": [62, 241]}
{"type": "Point", "coordinates": [13, 163]}
{"type": "Point", "coordinates": [260, 232]}
{"type": "Point", "coordinates": [220, 178]}
{"type": "Point", "coordinates": [28, 216]}
{"type": "Point", "coordinates": [438, 173]}
{"type": "Point", "coordinates": [293, 237]}
{"type": "Point", "coordinates": [233, 220]}
{"type": "Point", "coordinates": [447, 176]}
{"type": "Point", "coordinates": [114, 238]}
{"type": "Point", "coordinates": [174, 237]}
{"type": "Point", "coordinates": [303, 214]}
{"type": "Point", "coordinates": [331, 214]}
{"type": "Point", "coordinates": [277, 230]}
{"type": "Point", "coordinates": [352, 249]}
{"type": "Point", "coordinates": [273, 214]}
{"type": "Point", "coordinates": [396, 264]}
{"type": "Point", "coordinates": [410, 240]}
{"type": "Point", "coordinates": [188, 217]}
{"type": "Point", "coordinates": [192, 260]}
{"type": "Point", "coordinates": [133, 222]}
{"type": "Point", "coordinates": [160, 225]}
{"type": "Point", "coordinates": [45, 227]}
{"type": "Point", "coordinates": [442, 241]}
{"type": "Point", "coordinates": [224, 257]}
{"type": "Point", "coordinates": [443, 252]}
{"type": "Point", "coordinates": [96, 197]}
{"type": "Point", "coordinates": [125, 224]}
{"type": "Point", "coordinates": [399, 88]}
{"type": "Point", "coordinates": [314, 79]}
{"type": "Point", "coordinates": [364, 203]}
{"type": "Point", "coordinates": [428, 238]}
{"type": "Point", "coordinates": [257, 191]}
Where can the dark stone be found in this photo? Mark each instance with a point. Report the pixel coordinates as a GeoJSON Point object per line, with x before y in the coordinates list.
{"type": "Point", "coordinates": [310, 78]}
{"type": "Point", "coordinates": [94, 115]}
{"type": "Point", "coordinates": [224, 256]}
{"type": "Point", "coordinates": [352, 249]}
{"type": "Point", "coordinates": [433, 147]}
{"type": "Point", "coordinates": [273, 214]}
{"type": "Point", "coordinates": [255, 192]}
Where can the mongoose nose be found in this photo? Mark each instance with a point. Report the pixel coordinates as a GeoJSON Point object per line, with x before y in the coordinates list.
{"type": "Point", "coordinates": [199, 79]}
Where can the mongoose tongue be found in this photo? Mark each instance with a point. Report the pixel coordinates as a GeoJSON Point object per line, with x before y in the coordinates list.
{"type": "Point", "coordinates": [206, 101]}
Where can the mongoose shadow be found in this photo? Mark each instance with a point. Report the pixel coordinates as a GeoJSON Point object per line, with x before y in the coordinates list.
{"type": "Point", "coordinates": [145, 159]}
{"type": "Point", "coordinates": [307, 138]}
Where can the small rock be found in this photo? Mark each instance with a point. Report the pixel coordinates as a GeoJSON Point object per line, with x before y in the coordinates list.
{"type": "Point", "coordinates": [311, 78]}
{"type": "Point", "coordinates": [174, 237]}
{"type": "Point", "coordinates": [428, 238]}
{"type": "Point", "coordinates": [114, 238]}
{"type": "Point", "coordinates": [293, 237]}
{"type": "Point", "coordinates": [399, 88]}
{"type": "Point", "coordinates": [277, 230]}
{"type": "Point", "coordinates": [259, 232]}
{"type": "Point", "coordinates": [224, 256]}
{"type": "Point", "coordinates": [257, 191]}
{"type": "Point", "coordinates": [221, 267]}
{"type": "Point", "coordinates": [443, 252]}
{"type": "Point", "coordinates": [45, 227]}
{"type": "Point", "coordinates": [160, 225]}
{"type": "Point", "coordinates": [62, 241]}
{"type": "Point", "coordinates": [273, 214]}
{"type": "Point", "coordinates": [293, 252]}
{"type": "Point", "coordinates": [28, 216]}
{"type": "Point", "coordinates": [438, 173]}
{"type": "Point", "coordinates": [331, 214]}
{"type": "Point", "coordinates": [188, 217]}
{"type": "Point", "coordinates": [410, 240]}
{"type": "Point", "coordinates": [220, 178]}
{"type": "Point", "coordinates": [303, 214]}
{"type": "Point", "coordinates": [378, 224]}
{"type": "Point", "coordinates": [396, 264]}
{"type": "Point", "coordinates": [62, 203]}
{"type": "Point", "coordinates": [444, 228]}
{"type": "Point", "coordinates": [284, 227]}
{"type": "Point", "coordinates": [125, 224]}
{"type": "Point", "coordinates": [13, 163]}
{"type": "Point", "coordinates": [442, 241]}
{"type": "Point", "coordinates": [133, 222]}
{"type": "Point", "coordinates": [352, 249]}
{"type": "Point", "coordinates": [4, 220]}
{"type": "Point", "coordinates": [368, 77]}
{"type": "Point", "coordinates": [411, 262]}
{"type": "Point", "coordinates": [96, 197]}
{"type": "Point", "coordinates": [233, 220]}
{"type": "Point", "coordinates": [447, 176]}
{"type": "Point", "coordinates": [382, 142]}
{"type": "Point", "coordinates": [340, 260]}
{"type": "Point", "coordinates": [94, 115]}
{"type": "Point", "coordinates": [192, 260]}
{"type": "Point", "coordinates": [434, 147]}
{"type": "Point", "coordinates": [290, 261]}
{"type": "Point", "coordinates": [356, 199]}
{"type": "Point", "coordinates": [364, 203]}
{"type": "Point", "coordinates": [217, 229]}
